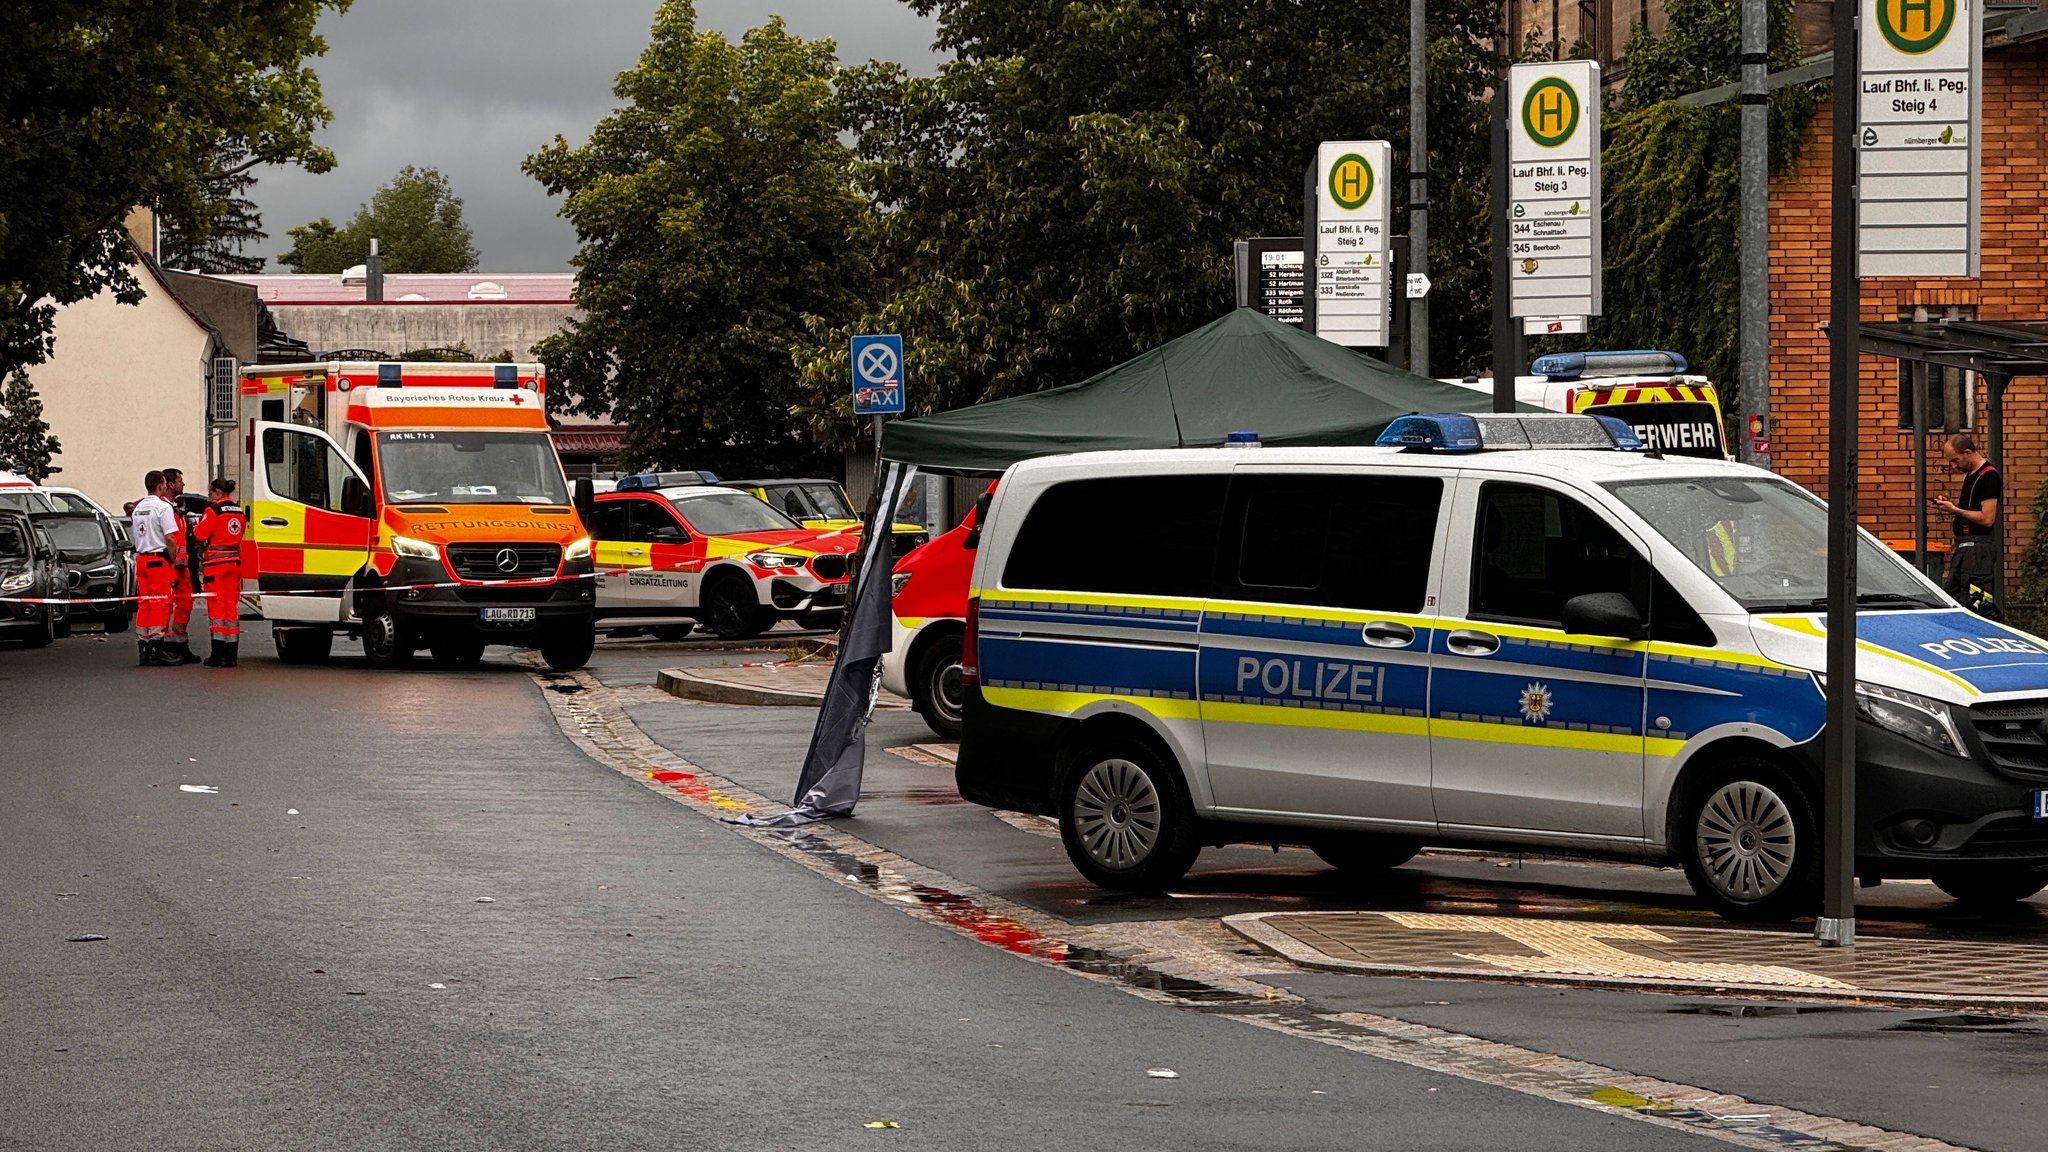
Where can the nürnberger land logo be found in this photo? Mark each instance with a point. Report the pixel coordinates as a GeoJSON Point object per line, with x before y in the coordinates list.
{"type": "Point", "coordinates": [1915, 26]}
{"type": "Point", "coordinates": [1550, 110]}
{"type": "Point", "coordinates": [1351, 181]}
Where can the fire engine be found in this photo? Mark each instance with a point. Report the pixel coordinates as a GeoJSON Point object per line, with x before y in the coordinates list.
{"type": "Point", "coordinates": [1671, 410]}
{"type": "Point", "coordinates": [413, 506]}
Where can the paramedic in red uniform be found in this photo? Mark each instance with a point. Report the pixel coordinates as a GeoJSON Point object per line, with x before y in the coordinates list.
{"type": "Point", "coordinates": [185, 564]}
{"type": "Point", "coordinates": [155, 524]}
{"type": "Point", "coordinates": [220, 533]}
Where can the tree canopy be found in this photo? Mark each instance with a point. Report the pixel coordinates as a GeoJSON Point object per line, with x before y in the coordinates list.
{"type": "Point", "coordinates": [26, 445]}
{"type": "Point", "coordinates": [715, 208]}
{"type": "Point", "coordinates": [1064, 193]}
{"type": "Point", "coordinates": [109, 104]}
{"type": "Point", "coordinates": [416, 220]}
{"type": "Point", "coordinates": [216, 237]}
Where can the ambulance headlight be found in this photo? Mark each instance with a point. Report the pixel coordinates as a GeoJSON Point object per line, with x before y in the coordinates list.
{"type": "Point", "coordinates": [17, 582]}
{"type": "Point", "coordinates": [1915, 717]}
{"type": "Point", "coordinates": [580, 550]}
{"type": "Point", "coordinates": [774, 560]}
{"type": "Point", "coordinates": [417, 549]}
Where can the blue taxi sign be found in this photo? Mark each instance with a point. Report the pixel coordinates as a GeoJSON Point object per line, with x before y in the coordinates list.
{"type": "Point", "coordinates": [877, 375]}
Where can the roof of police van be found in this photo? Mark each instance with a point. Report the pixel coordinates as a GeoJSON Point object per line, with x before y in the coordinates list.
{"type": "Point", "coordinates": [1591, 465]}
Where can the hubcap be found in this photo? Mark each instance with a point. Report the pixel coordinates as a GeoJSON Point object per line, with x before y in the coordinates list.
{"type": "Point", "coordinates": [948, 691]}
{"type": "Point", "coordinates": [1746, 841]}
{"type": "Point", "coordinates": [1117, 814]}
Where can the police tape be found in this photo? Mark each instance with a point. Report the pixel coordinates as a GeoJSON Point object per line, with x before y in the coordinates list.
{"type": "Point", "coordinates": [531, 582]}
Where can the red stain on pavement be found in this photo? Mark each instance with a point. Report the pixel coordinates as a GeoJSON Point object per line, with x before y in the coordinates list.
{"type": "Point", "coordinates": [984, 925]}
{"type": "Point", "coordinates": [667, 776]}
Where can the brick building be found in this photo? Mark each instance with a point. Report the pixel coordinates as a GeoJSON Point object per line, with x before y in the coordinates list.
{"type": "Point", "coordinates": [2013, 286]}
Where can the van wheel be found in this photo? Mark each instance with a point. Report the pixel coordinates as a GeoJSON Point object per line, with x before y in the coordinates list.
{"type": "Point", "coordinates": [1991, 887]}
{"type": "Point", "coordinates": [732, 610]}
{"type": "Point", "coordinates": [302, 645]}
{"type": "Point", "coordinates": [936, 690]}
{"type": "Point", "coordinates": [1125, 820]}
{"type": "Point", "coordinates": [385, 642]}
{"type": "Point", "coordinates": [567, 649]}
{"type": "Point", "coordinates": [1364, 853]}
{"type": "Point", "coordinates": [1749, 843]}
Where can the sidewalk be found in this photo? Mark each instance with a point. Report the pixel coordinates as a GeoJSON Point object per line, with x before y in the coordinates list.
{"type": "Point", "coordinates": [777, 684]}
{"type": "Point", "coordinates": [1661, 958]}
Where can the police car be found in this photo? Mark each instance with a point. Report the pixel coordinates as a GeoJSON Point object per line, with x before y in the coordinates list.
{"type": "Point", "coordinates": [1489, 631]}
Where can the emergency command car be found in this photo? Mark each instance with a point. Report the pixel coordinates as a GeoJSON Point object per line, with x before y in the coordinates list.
{"type": "Point", "coordinates": [1671, 410]}
{"type": "Point", "coordinates": [699, 552]}
{"type": "Point", "coordinates": [1491, 631]}
{"type": "Point", "coordinates": [415, 506]}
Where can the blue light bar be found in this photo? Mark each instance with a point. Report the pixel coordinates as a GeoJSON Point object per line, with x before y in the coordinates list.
{"type": "Point", "coordinates": [1443, 432]}
{"type": "Point", "coordinates": [1635, 362]}
{"type": "Point", "coordinates": [1462, 432]}
{"type": "Point", "coordinates": [649, 481]}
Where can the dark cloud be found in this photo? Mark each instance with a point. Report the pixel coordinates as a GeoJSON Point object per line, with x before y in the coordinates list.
{"type": "Point", "coordinates": [474, 86]}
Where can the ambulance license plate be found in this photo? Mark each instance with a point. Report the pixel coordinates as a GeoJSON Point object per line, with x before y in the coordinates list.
{"type": "Point", "coordinates": [507, 615]}
{"type": "Point", "coordinates": [2041, 803]}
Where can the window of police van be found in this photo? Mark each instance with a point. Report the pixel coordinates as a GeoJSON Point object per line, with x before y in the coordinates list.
{"type": "Point", "coordinates": [1132, 535]}
{"type": "Point", "coordinates": [1538, 548]}
{"type": "Point", "coordinates": [1330, 540]}
{"type": "Point", "coordinates": [1764, 541]}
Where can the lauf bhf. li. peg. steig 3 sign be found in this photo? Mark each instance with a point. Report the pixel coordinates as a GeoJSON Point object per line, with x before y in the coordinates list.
{"type": "Point", "coordinates": [1554, 194]}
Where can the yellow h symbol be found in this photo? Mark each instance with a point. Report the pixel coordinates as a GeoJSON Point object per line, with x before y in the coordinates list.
{"type": "Point", "coordinates": [1550, 107]}
{"type": "Point", "coordinates": [1924, 9]}
{"type": "Point", "coordinates": [1350, 181]}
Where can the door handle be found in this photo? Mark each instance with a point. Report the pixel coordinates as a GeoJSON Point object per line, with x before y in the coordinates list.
{"type": "Point", "coordinates": [1471, 642]}
{"type": "Point", "coordinates": [636, 551]}
{"type": "Point", "coordinates": [1387, 634]}
{"type": "Point", "coordinates": [276, 522]}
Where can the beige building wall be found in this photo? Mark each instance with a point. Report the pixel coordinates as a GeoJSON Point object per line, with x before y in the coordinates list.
{"type": "Point", "coordinates": [125, 392]}
{"type": "Point", "coordinates": [488, 330]}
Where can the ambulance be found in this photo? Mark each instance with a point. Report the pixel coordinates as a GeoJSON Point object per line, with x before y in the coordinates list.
{"type": "Point", "coordinates": [1514, 635]}
{"type": "Point", "coordinates": [1671, 410]}
{"type": "Point", "coordinates": [413, 506]}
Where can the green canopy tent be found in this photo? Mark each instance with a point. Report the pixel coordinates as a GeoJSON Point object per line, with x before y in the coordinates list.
{"type": "Point", "coordinates": [1244, 372]}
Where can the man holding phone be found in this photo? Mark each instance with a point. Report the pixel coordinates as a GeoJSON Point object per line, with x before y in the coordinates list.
{"type": "Point", "coordinates": [1974, 560]}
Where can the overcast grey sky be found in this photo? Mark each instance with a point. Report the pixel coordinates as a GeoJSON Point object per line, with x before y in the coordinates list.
{"type": "Point", "coordinates": [474, 86]}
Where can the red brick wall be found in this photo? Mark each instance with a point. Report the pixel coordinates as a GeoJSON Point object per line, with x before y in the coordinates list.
{"type": "Point", "coordinates": [2014, 286]}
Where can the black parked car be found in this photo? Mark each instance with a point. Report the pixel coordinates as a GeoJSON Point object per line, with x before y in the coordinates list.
{"type": "Point", "coordinates": [98, 565]}
{"type": "Point", "coordinates": [29, 571]}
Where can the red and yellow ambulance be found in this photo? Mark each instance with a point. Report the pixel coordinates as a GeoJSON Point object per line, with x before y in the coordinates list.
{"type": "Point", "coordinates": [414, 506]}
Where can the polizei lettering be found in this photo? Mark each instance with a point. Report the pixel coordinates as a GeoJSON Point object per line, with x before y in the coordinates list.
{"type": "Point", "coordinates": [1980, 646]}
{"type": "Point", "coordinates": [1305, 679]}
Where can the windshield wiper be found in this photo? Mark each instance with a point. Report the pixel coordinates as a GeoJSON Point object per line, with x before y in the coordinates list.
{"type": "Point", "coordinates": [1863, 600]}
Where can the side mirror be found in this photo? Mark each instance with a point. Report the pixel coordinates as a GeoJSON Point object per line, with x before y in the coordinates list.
{"type": "Point", "coordinates": [981, 503]}
{"type": "Point", "coordinates": [585, 499]}
{"type": "Point", "coordinates": [668, 532]}
{"type": "Point", "coordinates": [1603, 614]}
{"type": "Point", "coordinates": [355, 498]}
{"type": "Point", "coordinates": [44, 554]}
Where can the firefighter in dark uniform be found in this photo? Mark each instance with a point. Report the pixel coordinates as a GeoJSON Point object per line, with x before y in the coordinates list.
{"type": "Point", "coordinates": [1973, 563]}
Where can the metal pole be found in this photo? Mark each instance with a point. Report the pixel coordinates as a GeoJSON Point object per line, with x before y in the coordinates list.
{"type": "Point", "coordinates": [1310, 262]}
{"type": "Point", "coordinates": [1918, 368]}
{"type": "Point", "coordinates": [1507, 351]}
{"type": "Point", "coordinates": [1754, 306]}
{"type": "Point", "coordinates": [1837, 924]}
{"type": "Point", "coordinates": [1994, 385]}
{"type": "Point", "coordinates": [1418, 184]}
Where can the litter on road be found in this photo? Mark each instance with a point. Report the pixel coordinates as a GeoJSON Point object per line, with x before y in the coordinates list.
{"type": "Point", "coordinates": [206, 789]}
{"type": "Point", "coordinates": [86, 938]}
{"type": "Point", "coordinates": [1162, 1073]}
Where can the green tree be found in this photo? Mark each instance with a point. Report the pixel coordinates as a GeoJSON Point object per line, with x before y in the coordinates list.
{"type": "Point", "coordinates": [416, 220]}
{"type": "Point", "coordinates": [1064, 193]}
{"type": "Point", "coordinates": [26, 445]}
{"type": "Point", "coordinates": [215, 238]}
{"type": "Point", "coordinates": [714, 208]}
{"type": "Point", "coordinates": [108, 104]}
{"type": "Point", "coordinates": [1672, 183]}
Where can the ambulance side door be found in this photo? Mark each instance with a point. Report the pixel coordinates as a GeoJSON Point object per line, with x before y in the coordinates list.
{"type": "Point", "coordinates": [1532, 729]}
{"type": "Point", "coordinates": [1315, 644]}
{"type": "Point", "coordinates": [311, 513]}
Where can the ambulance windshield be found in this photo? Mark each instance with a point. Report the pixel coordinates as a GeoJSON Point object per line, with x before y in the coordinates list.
{"type": "Point", "coordinates": [416, 466]}
{"type": "Point", "coordinates": [1765, 542]}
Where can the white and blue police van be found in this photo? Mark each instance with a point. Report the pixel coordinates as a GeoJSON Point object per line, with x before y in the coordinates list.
{"type": "Point", "coordinates": [1488, 631]}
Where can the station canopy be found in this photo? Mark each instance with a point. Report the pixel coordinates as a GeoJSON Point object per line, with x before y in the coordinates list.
{"type": "Point", "coordinates": [1243, 373]}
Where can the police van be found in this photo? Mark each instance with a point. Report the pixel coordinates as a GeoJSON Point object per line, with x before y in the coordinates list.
{"type": "Point", "coordinates": [1488, 631]}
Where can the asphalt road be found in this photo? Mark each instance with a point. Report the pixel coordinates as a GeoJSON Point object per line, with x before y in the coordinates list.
{"type": "Point", "coordinates": [405, 912]}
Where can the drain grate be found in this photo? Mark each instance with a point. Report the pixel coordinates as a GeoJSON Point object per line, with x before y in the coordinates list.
{"type": "Point", "coordinates": [1747, 1010]}
{"type": "Point", "coordinates": [1973, 1022]}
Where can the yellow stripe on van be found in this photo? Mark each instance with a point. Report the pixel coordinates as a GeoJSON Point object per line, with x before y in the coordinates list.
{"type": "Point", "coordinates": [1275, 715]}
{"type": "Point", "coordinates": [1551, 737]}
{"type": "Point", "coordinates": [1806, 626]}
{"type": "Point", "coordinates": [1068, 703]}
